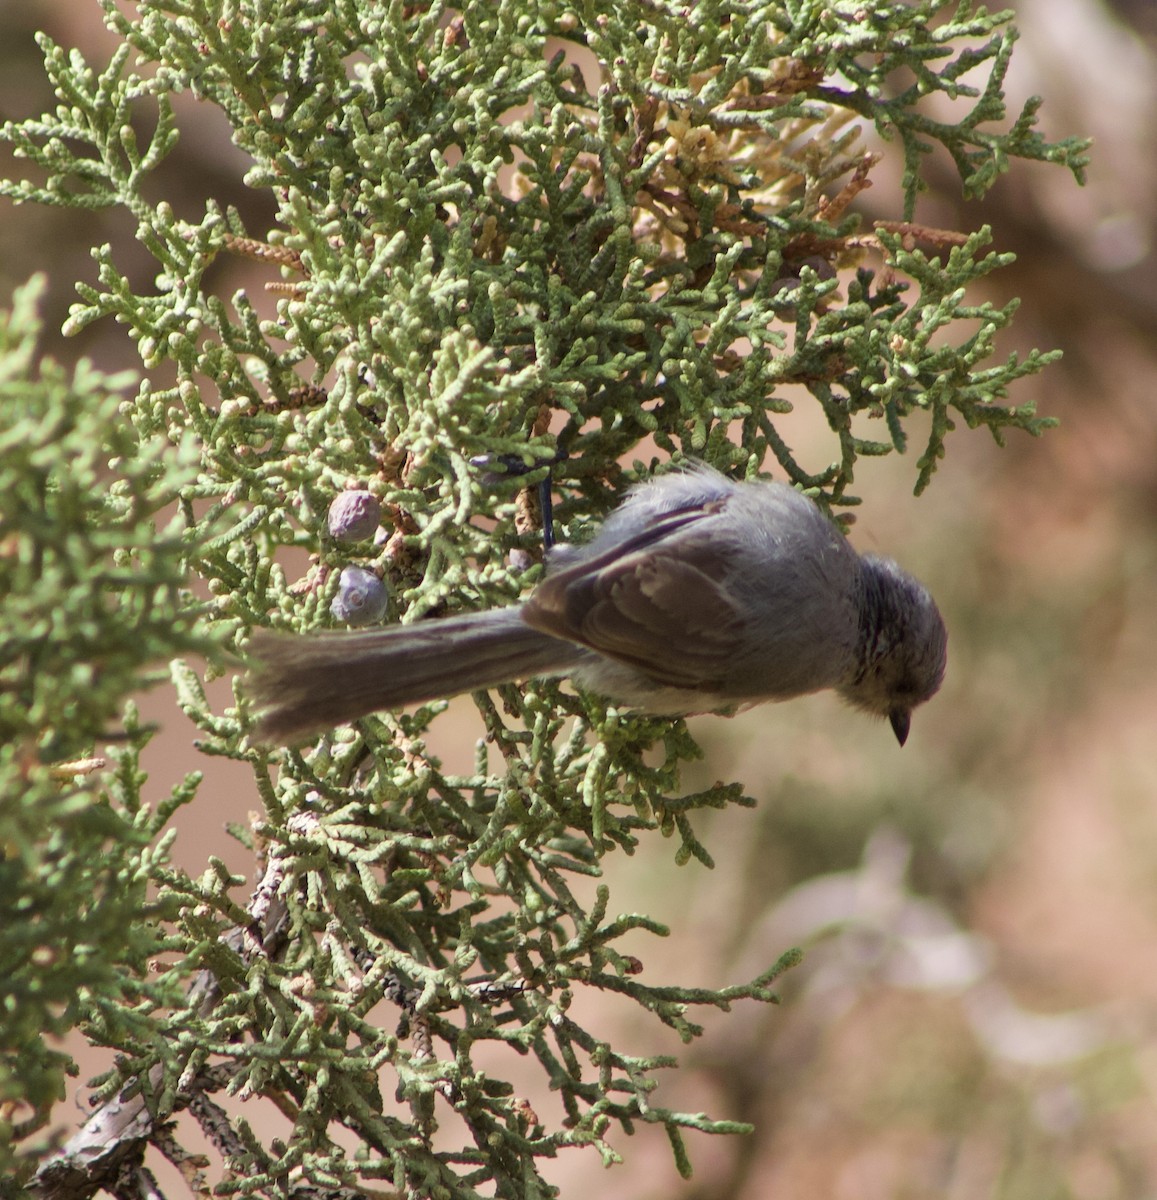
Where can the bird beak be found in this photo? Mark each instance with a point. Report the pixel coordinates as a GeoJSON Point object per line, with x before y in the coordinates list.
{"type": "Point", "coordinates": [900, 720]}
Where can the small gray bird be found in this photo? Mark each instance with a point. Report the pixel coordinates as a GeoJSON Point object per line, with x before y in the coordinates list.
{"type": "Point", "coordinates": [696, 594]}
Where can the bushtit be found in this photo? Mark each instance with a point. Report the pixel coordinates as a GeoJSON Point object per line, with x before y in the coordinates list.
{"type": "Point", "coordinates": [696, 594]}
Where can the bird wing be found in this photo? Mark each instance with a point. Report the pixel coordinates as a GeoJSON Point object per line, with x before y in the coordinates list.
{"type": "Point", "coordinates": [654, 600]}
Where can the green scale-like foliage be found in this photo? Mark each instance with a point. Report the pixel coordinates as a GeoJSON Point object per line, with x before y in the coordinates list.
{"type": "Point", "coordinates": [93, 562]}
{"type": "Point", "coordinates": [565, 234]}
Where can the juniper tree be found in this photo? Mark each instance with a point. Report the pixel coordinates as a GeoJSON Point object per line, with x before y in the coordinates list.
{"type": "Point", "coordinates": [514, 242]}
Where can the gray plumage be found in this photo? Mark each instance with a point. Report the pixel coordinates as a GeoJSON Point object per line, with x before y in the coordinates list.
{"type": "Point", "coordinates": [696, 594]}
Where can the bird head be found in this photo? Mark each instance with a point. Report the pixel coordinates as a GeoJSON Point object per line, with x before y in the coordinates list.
{"type": "Point", "coordinates": [903, 646]}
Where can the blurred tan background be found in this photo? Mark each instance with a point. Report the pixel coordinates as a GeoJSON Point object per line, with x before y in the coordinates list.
{"type": "Point", "coordinates": [977, 1013]}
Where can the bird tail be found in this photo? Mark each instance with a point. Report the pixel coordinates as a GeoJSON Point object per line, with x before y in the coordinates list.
{"type": "Point", "coordinates": [310, 683]}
